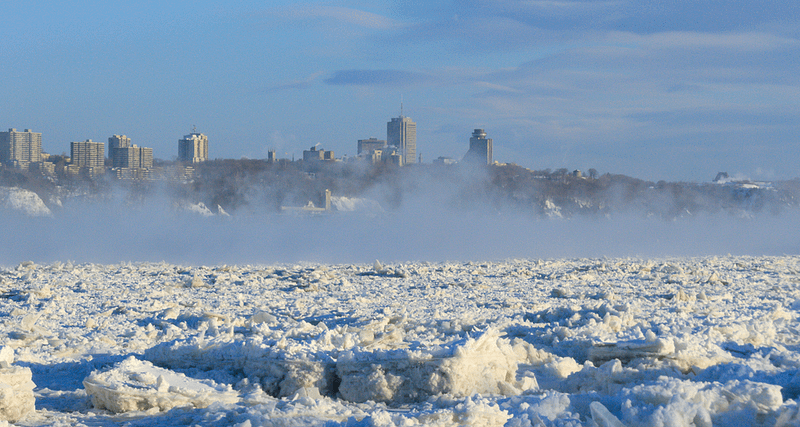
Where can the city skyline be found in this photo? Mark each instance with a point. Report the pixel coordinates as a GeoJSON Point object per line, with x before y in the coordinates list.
{"type": "Point", "coordinates": [647, 89]}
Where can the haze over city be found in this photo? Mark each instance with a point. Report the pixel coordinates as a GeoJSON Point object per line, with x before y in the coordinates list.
{"type": "Point", "coordinates": [650, 89]}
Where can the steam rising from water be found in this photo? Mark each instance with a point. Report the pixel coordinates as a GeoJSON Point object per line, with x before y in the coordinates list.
{"type": "Point", "coordinates": [110, 233]}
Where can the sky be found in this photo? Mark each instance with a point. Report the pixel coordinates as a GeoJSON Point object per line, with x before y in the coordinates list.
{"type": "Point", "coordinates": [658, 90]}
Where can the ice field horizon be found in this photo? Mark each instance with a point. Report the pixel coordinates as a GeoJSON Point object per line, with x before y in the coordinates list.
{"type": "Point", "coordinates": [421, 316]}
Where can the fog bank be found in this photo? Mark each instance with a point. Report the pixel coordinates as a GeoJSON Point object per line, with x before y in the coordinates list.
{"type": "Point", "coordinates": [110, 234]}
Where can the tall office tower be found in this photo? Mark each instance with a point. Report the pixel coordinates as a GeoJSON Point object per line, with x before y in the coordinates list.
{"type": "Point", "coordinates": [117, 141]}
{"type": "Point", "coordinates": [20, 149]}
{"type": "Point", "coordinates": [401, 132]}
{"type": "Point", "coordinates": [193, 148]}
{"type": "Point", "coordinates": [480, 148]}
{"type": "Point", "coordinates": [88, 154]}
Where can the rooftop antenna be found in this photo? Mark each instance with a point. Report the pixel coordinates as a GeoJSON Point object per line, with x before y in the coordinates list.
{"type": "Point", "coordinates": [194, 129]}
{"type": "Point", "coordinates": [401, 105]}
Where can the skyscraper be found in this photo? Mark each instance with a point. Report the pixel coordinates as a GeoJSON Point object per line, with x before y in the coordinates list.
{"type": "Point", "coordinates": [193, 148]}
{"type": "Point", "coordinates": [20, 149]}
{"type": "Point", "coordinates": [401, 132]}
{"type": "Point", "coordinates": [480, 148]}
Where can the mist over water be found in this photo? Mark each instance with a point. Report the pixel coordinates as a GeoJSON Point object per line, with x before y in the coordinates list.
{"type": "Point", "coordinates": [104, 232]}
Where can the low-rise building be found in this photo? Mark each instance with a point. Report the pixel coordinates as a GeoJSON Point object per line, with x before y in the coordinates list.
{"type": "Point", "coordinates": [314, 155]}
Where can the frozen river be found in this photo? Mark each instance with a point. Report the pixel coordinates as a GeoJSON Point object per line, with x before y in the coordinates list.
{"type": "Point", "coordinates": [625, 341]}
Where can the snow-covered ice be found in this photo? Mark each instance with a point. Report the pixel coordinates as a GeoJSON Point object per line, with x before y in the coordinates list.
{"type": "Point", "coordinates": [16, 388]}
{"type": "Point", "coordinates": [559, 342]}
{"type": "Point", "coordinates": [23, 201]}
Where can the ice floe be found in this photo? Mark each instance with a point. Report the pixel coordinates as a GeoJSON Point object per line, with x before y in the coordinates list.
{"type": "Point", "coordinates": [653, 342]}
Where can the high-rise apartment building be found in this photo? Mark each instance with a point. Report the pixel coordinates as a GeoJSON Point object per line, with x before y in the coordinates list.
{"type": "Point", "coordinates": [117, 141]}
{"type": "Point", "coordinates": [193, 148]}
{"type": "Point", "coordinates": [87, 157]}
{"type": "Point", "coordinates": [401, 132]}
{"type": "Point", "coordinates": [129, 160]}
{"type": "Point", "coordinates": [133, 157]}
{"type": "Point", "coordinates": [20, 149]}
{"type": "Point", "coordinates": [480, 148]}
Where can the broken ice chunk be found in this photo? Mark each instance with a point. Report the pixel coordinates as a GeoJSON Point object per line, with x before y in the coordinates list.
{"type": "Point", "coordinates": [129, 386]}
{"type": "Point", "coordinates": [629, 350]}
{"type": "Point", "coordinates": [16, 393]}
{"type": "Point", "coordinates": [6, 356]}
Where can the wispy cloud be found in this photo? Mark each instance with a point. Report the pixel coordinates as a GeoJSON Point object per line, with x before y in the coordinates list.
{"type": "Point", "coordinates": [296, 84]}
{"type": "Point", "coordinates": [563, 7]}
{"type": "Point", "coordinates": [746, 41]}
{"type": "Point", "coordinates": [377, 78]}
{"type": "Point", "coordinates": [497, 87]}
{"type": "Point", "coordinates": [345, 15]}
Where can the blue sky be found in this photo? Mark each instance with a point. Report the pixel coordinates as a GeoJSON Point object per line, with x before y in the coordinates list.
{"type": "Point", "coordinates": [671, 90]}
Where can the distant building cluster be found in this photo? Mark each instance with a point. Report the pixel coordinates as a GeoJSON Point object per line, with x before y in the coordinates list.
{"type": "Point", "coordinates": [124, 160]}
{"type": "Point", "coordinates": [400, 146]}
{"type": "Point", "coordinates": [23, 151]}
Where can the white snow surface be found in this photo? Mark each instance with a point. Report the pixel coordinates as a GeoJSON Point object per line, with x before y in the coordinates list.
{"type": "Point", "coordinates": [23, 201]}
{"type": "Point", "coordinates": [354, 204]}
{"type": "Point", "coordinates": [561, 342]}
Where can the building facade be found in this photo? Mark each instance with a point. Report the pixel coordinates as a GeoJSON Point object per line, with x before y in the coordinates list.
{"type": "Point", "coordinates": [401, 132]}
{"type": "Point", "coordinates": [365, 146]}
{"type": "Point", "coordinates": [133, 157]}
{"type": "Point", "coordinates": [87, 157]}
{"type": "Point", "coordinates": [313, 154]}
{"type": "Point", "coordinates": [117, 141]}
{"type": "Point", "coordinates": [193, 148]}
{"type": "Point", "coordinates": [20, 149]}
{"type": "Point", "coordinates": [129, 161]}
{"type": "Point", "coordinates": [480, 148]}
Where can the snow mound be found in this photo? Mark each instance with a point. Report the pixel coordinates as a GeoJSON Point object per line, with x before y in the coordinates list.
{"type": "Point", "coordinates": [199, 208]}
{"type": "Point", "coordinates": [135, 385]}
{"type": "Point", "coordinates": [669, 402]}
{"type": "Point", "coordinates": [24, 201]}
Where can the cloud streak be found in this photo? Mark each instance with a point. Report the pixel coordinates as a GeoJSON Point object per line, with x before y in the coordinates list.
{"type": "Point", "coordinates": [296, 84]}
{"type": "Point", "coordinates": [736, 41]}
{"type": "Point", "coordinates": [378, 78]}
{"type": "Point", "coordinates": [349, 16]}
